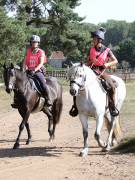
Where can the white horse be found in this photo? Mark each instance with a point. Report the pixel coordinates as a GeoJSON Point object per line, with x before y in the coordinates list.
{"type": "Point", "coordinates": [91, 100]}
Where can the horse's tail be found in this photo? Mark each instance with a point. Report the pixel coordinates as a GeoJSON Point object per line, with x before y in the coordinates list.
{"type": "Point", "coordinates": [117, 129]}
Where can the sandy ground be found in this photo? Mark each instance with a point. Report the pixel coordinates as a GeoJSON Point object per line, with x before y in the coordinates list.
{"type": "Point", "coordinates": [60, 159]}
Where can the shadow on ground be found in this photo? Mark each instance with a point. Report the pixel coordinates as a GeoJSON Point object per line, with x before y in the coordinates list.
{"type": "Point", "coordinates": [127, 145]}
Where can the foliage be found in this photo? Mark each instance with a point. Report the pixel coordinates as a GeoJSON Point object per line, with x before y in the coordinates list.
{"type": "Point", "coordinates": [127, 52]}
{"type": "Point", "coordinates": [12, 36]}
{"type": "Point", "coordinates": [60, 28]}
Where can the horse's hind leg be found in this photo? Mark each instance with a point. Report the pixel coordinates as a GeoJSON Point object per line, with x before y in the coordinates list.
{"type": "Point", "coordinates": [51, 129]}
{"type": "Point", "coordinates": [114, 127]}
{"type": "Point", "coordinates": [108, 125]}
{"type": "Point", "coordinates": [84, 122]}
{"type": "Point", "coordinates": [99, 124]}
{"type": "Point", "coordinates": [56, 111]}
{"type": "Point", "coordinates": [28, 132]}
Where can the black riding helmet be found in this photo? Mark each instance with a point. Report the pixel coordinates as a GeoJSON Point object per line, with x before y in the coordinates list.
{"type": "Point", "coordinates": [100, 33]}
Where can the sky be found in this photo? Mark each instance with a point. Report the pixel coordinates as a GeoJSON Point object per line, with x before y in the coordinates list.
{"type": "Point", "coordinates": [99, 11]}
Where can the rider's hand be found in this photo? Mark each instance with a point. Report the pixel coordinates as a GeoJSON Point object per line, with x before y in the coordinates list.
{"type": "Point", "coordinates": [32, 73]}
{"type": "Point", "coordinates": [105, 66]}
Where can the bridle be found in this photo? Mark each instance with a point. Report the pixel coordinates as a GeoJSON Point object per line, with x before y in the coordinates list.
{"type": "Point", "coordinates": [80, 85]}
{"type": "Point", "coordinates": [11, 73]}
{"type": "Point", "coordinates": [12, 83]}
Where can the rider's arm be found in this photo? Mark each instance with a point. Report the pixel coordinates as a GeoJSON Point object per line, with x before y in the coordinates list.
{"type": "Point", "coordinates": [113, 60]}
{"type": "Point", "coordinates": [41, 62]}
{"type": "Point", "coordinates": [90, 61]}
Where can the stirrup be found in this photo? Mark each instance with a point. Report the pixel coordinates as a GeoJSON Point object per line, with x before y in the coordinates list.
{"type": "Point", "coordinates": [48, 111]}
{"type": "Point", "coordinates": [14, 105]}
{"type": "Point", "coordinates": [74, 111]}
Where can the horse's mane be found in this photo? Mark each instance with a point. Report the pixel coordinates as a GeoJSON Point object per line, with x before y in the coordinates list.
{"type": "Point", "coordinates": [87, 70]}
{"type": "Point", "coordinates": [20, 73]}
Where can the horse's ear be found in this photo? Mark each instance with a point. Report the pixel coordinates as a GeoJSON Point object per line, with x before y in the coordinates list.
{"type": "Point", "coordinates": [4, 66]}
{"type": "Point", "coordinates": [12, 66]}
{"type": "Point", "coordinates": [81, 63]}
{"type": "Point", "coordinates": [71, 63]}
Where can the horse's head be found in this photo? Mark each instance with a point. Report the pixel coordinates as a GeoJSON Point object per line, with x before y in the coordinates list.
{"type": "Point", "coordinates": [76, 75]}
{"type": "Point", "coordinates": [9, 77]}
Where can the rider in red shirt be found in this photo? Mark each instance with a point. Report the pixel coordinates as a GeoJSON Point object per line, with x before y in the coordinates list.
{"type": "Point", "coordinates": [101, 58]}
{"type": "Point", "coordinates": [34, 65]}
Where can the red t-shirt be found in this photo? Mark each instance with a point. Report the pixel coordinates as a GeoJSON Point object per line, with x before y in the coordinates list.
{"type": "Point", "coordinates": [33, 60]}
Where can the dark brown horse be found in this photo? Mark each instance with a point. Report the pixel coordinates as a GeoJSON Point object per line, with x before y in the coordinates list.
{"type": "Point", "coordinates": [29, 99]}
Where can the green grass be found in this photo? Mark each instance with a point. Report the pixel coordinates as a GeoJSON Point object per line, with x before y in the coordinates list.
{"type": "Point", "coordinates": [129, 103]}
{"type": "Point", "coordinates": [127, 145]}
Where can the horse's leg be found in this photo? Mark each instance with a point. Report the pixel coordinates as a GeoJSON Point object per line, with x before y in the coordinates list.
{"type": "Point", "coordinates": [21, 127]}
{"type": "Point", "coordinates": [51, 129]}
{"type": "Point", "coordinates": [84, 121]}
{"type": "Point", "coordinates": [99, 124]}
{"type": "Point", "coordinates": [28, 132]}
{"type": "Point", "coordinates": [108, 125]}
{"type": "Point", "coordinates": [111, 133]}
{"type": "Point", "coordinates": [27, 127]}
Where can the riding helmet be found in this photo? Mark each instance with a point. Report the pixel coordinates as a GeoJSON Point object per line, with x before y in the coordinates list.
{"type": "Point", "coordinates": [100, 33]}
{"type": "Point", "coordinates": [35, 38]}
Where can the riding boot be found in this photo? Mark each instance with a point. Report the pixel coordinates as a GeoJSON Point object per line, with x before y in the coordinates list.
{"type": "Point", "coordinates": [111, 94]}
{"type": "Point", "coordinates": [74, 111]}
{"type": "Point", "coordinates": [113, 110]}
{"type": "Point", "coordinates": [48, 101]}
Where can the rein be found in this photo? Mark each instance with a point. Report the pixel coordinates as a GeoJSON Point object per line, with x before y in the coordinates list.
{"type": "Point", "coordinates": [71, 82]}
{"type": "Point", "coordinates": [15, 88]}
{"type": "Point", "coordinates": [78, 84]}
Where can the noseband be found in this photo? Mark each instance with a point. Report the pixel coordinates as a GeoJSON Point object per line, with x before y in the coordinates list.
{"type": "Point", "coordinates": [81, 86]}
{"type": "Point", "coordinates": [12, 83]}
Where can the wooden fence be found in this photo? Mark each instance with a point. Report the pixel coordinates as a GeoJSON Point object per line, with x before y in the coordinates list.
{"type": "Point", "coordinates": [128, 75]}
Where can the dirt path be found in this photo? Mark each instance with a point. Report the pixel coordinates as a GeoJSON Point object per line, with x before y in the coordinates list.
{"type": "Point", "coordinates": [59, 160]}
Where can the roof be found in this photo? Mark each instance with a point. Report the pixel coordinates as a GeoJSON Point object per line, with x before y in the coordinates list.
{"type": "Point", "coordinates": [57, 55]}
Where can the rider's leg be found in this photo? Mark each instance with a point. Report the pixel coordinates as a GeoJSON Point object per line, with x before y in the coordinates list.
{"type": "Point", "coordinates": [111, 91]}
{"type": "Point", "coordinates": [45, 92]}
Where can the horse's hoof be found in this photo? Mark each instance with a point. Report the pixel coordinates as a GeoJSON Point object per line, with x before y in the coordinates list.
{"type": "Point", "coordinates": [106, 149]}
{"type": "Point", "coordinates": [16, 146]}
{"type": "Point", "coordinates": [114, 142]}
{"type": "Point", "coordinates": [84, 152]}
{"type": "Point", "coordinates": [28, 141]}
{"type": "Point", "coordinates": [102, 144]}
{"type": "Point", "coordinates": [51, 138]}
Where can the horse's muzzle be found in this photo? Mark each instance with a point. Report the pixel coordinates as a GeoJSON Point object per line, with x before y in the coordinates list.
{"type": "Point", "coordinates": [73, 92]}
{"type": "Point", "coordinates": [8, 90]}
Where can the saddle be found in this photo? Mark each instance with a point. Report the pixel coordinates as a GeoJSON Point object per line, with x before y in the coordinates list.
{"type": "Point", "coordinates": [35, 84]}
{"type": "Point", "coordinates": [106, 86]}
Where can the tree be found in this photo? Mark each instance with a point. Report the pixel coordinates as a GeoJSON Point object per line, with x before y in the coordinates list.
{"type": "Point", "coordinates": [116, 32]}
{"type": "Point", "coordinates": [12, 37]}
{"type": "Point", "coordinates": [127, 51]}
{"type": "Point", "coordinates": [58, 21]}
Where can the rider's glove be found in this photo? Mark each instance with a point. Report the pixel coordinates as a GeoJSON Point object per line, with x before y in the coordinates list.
{"type": "Point", "coordinates": [32, 73]}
